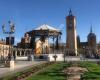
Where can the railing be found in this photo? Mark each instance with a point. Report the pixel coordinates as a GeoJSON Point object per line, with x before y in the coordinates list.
{"type": "Point", "coordinates": [18, 52]}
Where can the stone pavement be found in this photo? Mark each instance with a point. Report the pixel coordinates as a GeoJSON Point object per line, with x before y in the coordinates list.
{"type": "Point", "coordinates": [19, 66]}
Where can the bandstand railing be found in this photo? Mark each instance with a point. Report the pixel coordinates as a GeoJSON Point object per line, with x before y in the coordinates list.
{"type": "Point", "coordinates": [18, 52]}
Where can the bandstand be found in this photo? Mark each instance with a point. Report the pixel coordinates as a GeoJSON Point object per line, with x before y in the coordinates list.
{"type": "Point", "coordinates": [40, 39]}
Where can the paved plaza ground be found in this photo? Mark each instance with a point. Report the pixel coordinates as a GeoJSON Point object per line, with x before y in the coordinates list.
{"type": "Point", "coordinates": [23, 65]}
{"type": "Point", "coordinates": [19, 66]}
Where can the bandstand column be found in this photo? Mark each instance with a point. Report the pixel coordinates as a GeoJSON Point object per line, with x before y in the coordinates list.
{"type": "Point", "coordinates": [32, 42]}
{"type": "Point", "coordinates": [57, 45]}
{"type": "Point", "coordinates": [24, 52]}
{"type": "Point", "coordinates": [20, 52]}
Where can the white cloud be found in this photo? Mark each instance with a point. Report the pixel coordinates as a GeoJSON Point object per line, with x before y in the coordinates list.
{"type": "Point", "coordinates": [61, 26]}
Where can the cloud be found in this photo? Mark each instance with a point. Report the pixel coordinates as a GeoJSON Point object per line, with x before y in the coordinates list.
{"type": "Point", "coordinates": [61, 26]}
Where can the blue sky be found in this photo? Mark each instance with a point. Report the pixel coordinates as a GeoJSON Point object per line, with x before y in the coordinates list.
{"type": "Point", "coordinates": [29, 14]}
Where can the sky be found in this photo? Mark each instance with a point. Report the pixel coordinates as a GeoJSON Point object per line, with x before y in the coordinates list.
{"type": "Point", "coordinates": [29, 14]}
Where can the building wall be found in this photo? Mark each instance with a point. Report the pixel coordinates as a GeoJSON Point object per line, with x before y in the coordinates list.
{"type": "Point", "coordinates": [92, 42]}
{"type": "Point", "coordinates": [4, 50]}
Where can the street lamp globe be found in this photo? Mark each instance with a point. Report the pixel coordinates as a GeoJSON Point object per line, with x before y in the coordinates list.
{"type": "Point", "coordinates": [3, 28]}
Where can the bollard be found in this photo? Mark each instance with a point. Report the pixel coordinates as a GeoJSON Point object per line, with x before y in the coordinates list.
{"type": "Point", "coordinates": [12, 64]}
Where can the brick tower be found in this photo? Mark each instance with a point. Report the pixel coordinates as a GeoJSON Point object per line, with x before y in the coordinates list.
{"type": "Point", "coordinates": [71, 41]}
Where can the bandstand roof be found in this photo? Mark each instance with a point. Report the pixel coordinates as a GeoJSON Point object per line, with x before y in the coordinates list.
{"type": "Point", "coordinates": [47, 27]}
{"type": "Point", "coordinates": [45, 30]}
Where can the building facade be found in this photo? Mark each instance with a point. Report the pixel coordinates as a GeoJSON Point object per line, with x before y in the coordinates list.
{"type": "Point", "coordinates": [91, 38]}
{"type": "Point", "coordinates": [90, 46]}
{"type": "Point", "coordinates": [25, 42]}
{"type": "Point", "coordinates": [4, 49]}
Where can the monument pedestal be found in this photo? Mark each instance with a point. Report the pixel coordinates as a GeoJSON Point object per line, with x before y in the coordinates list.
{"type": "Point", "coordinates": [12, 64]}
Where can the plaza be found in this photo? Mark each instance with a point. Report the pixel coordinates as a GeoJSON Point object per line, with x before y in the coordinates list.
{"type": "Point", "coordinates": [35, 49]}
{"type": "Point", "coordinates": [49, 40]}
{"type": "Point", "coordinates": [19, 66]}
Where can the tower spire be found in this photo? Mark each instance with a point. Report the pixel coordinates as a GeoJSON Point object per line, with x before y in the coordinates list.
{"type": "Point", "coordinates": [70, 12]}
{"type": "Point", "coordinates": [91, 29]}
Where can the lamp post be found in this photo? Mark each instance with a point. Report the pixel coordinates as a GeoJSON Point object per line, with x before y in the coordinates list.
{"type": "Point", "coordinates": [54, 56]}
{"type": "Point", "coordinates": [9, 32]}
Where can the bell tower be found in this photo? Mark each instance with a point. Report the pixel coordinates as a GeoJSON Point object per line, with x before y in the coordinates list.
{"type": "Point", "coordinates": [71, 36]}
